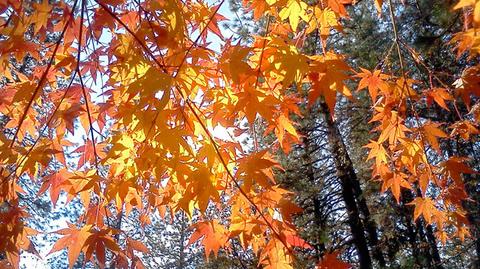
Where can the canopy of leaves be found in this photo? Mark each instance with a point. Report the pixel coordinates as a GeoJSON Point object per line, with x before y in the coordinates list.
{"type": "Point", "coordinates": [115, 103]}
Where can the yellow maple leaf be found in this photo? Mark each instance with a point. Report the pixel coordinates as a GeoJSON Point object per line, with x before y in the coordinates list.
{"type": "Point", "coordinates": [294, 10]}
{"type": "Point", "coordinates": [284, 124]}
{"type": "Point", "coordinates": [377, 151]}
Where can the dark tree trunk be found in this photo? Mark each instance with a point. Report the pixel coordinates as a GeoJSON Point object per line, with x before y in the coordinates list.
{"type": "Point", "coordinates": [425, 250]}
{"type": "Point", "coordinates": [308, 162]}
{"type": "Point", "coordinates": [370, 225]}
{"type": "Point", "coordinates": [432, 242]}
{"type": "Point", "coordinates": [411, 229]}
{"type": "Point", "coordinates": [412, 239]}
{"type": "Point", "coordinates": [346, 175]}
{"type": "Point", "coordinates": [433, 248]}
{"type": "Point", "coordinates": [427, 255]}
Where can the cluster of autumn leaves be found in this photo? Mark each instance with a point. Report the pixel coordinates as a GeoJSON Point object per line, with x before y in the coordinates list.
{"type": "Point", "coordinates": [142, 82]}
{"type": "Point", "coordinates": [403, 151]}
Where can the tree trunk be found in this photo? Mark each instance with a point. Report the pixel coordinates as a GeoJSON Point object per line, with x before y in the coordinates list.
{"type": "Point", "coordinates": [432, 242]}
{"type": "Point", "coordinates": [346, 175]}
{"type": "Point", "coordinates": [308, 161]}
{"type": "Point", "coordinates": [370, 225]}
{"type": "Point", "coordinates": [433, 248]}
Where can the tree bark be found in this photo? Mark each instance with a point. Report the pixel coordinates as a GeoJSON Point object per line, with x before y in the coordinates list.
{"type": "Point", "coordinates": [370, 225]}
{"type": "Point", "coordinates": [346, 175]}
{"type": "Point", "coordinates": [432, 242]}
{"type": "Point", "coordinates": [433, 248]}
{"type": "Point", "coordinates": [308, 161]}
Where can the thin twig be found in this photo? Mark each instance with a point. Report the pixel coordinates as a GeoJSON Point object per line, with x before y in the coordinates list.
{"type": "Point", "coordinates": [84, 92]}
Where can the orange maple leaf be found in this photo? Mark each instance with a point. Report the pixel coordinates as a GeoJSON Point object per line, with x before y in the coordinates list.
{"type": "Point", "coordinates": [395, 182]}
{"type": "Point", "coordinates": [214, 235]}
{"type": "Point", "coordinates": [74, 240]}
{"type": "Point", "coordinates": [431, 132]}
{"type": "Point", "coordinates": [425, 207]}
{"type": "Point", "coordinates": [374, 81]}
{"type": "Point", "coordinates": [439, 95]}
{"type": "Point", "coordinates": [331, 261]}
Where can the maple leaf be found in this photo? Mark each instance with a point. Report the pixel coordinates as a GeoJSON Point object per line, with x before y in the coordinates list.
{"type": "Point", "coordinates": [74, 240]}
{"type": "Point", "coordinates": [39, 156]}
{"type": "Point", "coordinates": [87, 153]}
{"type": "Point", "coordinates": [331, 261]}
{"type": "Point", "coordinates": [287, 208]}
{"type": "Point", "coordinates": [284, 124]}
{"type": "Point", "coordinates": [464, 129]}
{"type": "Point", "coordinates": [475, 111]}
{"type": "Point", "coordinates": [234, 64]}
{"type": "Point", "coordinates": [285, 62]}
{"type": "Point", "coordinates": [259, 7]}
{"type": "Point", "coordinates": [214, 235]}
{"type": "Point", "coordinates": [325, 19]}
{"type": "Point", "coordinates": [377, 151]}
{"type": "Point", "coordinates": [42, 12]}
{"type": "Point", "coordinates": [374, 81]}
{"type": "Point", "coordinates": [424, 180]}
{"type": "Point", "coordinates": [207, 18]}
{"type": "Point", "coordinates": [454, 167]}
{"type": "Point", "coordinates": [137, 245]}
{"type": "Point", "coordinates": [294, 10]}
{"type": "Point", "coordinates": [96, 243]}
{"type": "Point", "coordinates": [327, 75]}
{"type": "Point", "coordinates": [413, 154]}
{"type": "Point", "coordinates": [394, 130]}
{"type": "Point", "coordinates": [443, 236]}
{"type": "Point", "coordinates": [424, 207]}
{"type": "Point", "coordinates": [431, 132]}
{"type": "Point", "coordinates": [338, 6]}
{"type": "Point", "coordinates": [249, 102]}
{"type": "Point", "coordinates": [55, 182]}
{"type": "Point", "coordinates": [243, 227]}
{"type": "Point", "coordinates": [464, 41]}
{"type": "Point", "coordinates": [439, 95]}
{"type": "Point", "coordinates": [468, 84]}
{"type": "Point", "coordinates": [275, 256]}
{"type": "Point", "coordinates": [395, 182]}
{"type": "Point", "coordinates": [257, 167]}
{"type": "Point", "coordinates": [378, 5]}
{"type": "Point", "coordinates": [14, 235]}
{"type": "Point", "coordinates": [294, 240]}
{"type": "Point", "coordinates": [463, 232]}
{"type": "Point", "coordinates": [201, 188]}
{"type": "Point", "coordinates": [123, 148]}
